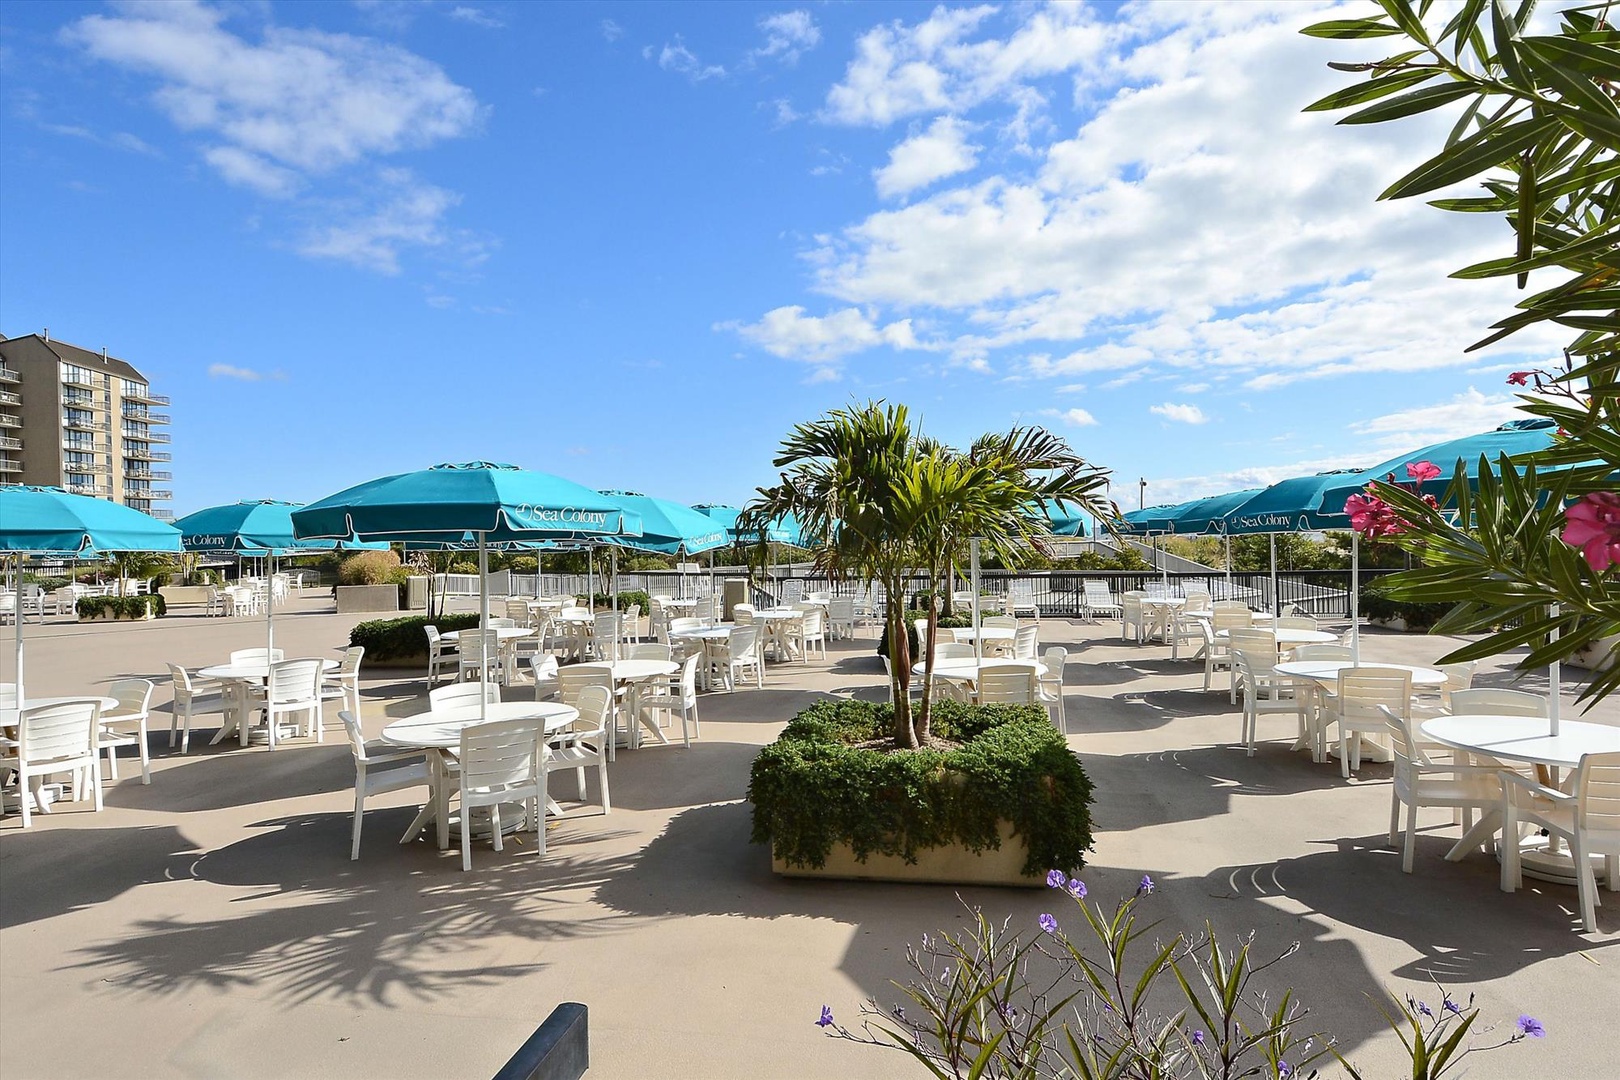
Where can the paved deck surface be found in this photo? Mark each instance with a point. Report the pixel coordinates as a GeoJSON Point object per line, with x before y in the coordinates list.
{"type": "Point", "coordinates": [211, 924]}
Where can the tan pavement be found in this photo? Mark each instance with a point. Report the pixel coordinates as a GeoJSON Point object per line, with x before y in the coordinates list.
{"type": "Point", "coordinates": [211, 924]}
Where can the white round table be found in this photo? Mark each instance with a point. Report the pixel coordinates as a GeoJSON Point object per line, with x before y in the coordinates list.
{"type": "Point", "coordinates": [772, 621]}
{"type": "Point", "coordinates": [9, 717]}
{"type": "Point", "coordinates": [439, 730]}
{"type": "Point", "coordinates": [238, 677]}
{"type": "Point", "coordinates": [1327, 671]}
{"type": "Point", "coordinates": [967, 634]}
{"type": "Point", "coordinates": [1528, 740]}
{"type": "Point", "coordinates": [1288, 638]}
{"type": "Point", "coordinates": [967, 669]}
{"type": "Point", "coordinates": [628, 673]}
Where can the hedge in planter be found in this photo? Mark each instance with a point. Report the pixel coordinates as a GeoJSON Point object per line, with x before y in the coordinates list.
{"type": "Point", "coordinates": [120, 607]}
{"type": "Point", "coordinates": [1375, 605]}
{"type": "Point", "coordinates": [392, 639]}
{"type": "Point", "coordinates": [816, 786]}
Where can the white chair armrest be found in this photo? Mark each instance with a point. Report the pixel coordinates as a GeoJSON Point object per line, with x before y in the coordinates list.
{"type": "Point", "coordinates": [1511, 780]}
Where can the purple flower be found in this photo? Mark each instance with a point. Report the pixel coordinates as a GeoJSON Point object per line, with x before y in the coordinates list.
{"type": "Point", "coordinates": [1145, 886]}
{"type": "Point", "coordinates": [1077, 888]}
{"type": "Point", "coordinates": [1451, 1006]}
{"type": "Point", "coordinates": [1198, 1038]}
{"type": "Point", "coordinates": [900, 1013]}
{"type": "Point", "coordinates": [1048, 923]}
{"type": "Point", "coordinates": [1530, 1026]}
{"type": "Point", "coordinates": [826, 1017]}
{"type": "Point", "coordinates": [1424, 1009]}
{"type": "Point", "coordinates": [1284, 1070]}
{"type": "Point", "coordinates": [1056, 879]}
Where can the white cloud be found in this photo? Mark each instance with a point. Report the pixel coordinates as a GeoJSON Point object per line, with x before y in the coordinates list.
{"type": "Point", "coordinates": [902, 71]}
{"type": "Point", "coordinates": [1181, 488]}
{"type": "Point", "coordinates": [404, 213]}
{"type": "Point", "coordinates": [227, 371]}
{"type": "Point", "coordinates": [785, 112]}
{"type": "Point", "coordinates": [247, 170]}
{"type": "Point", "coordinates": [940, 151]}
{"type": "Point", "coordinates": [476, 17]}
{"type": "Point", "coordinates": [1194, 388]}
{"type": "Point", "coordinates": [1469, 413]}
{"type": "Point", "coordinates": [1073, 417]}
{"type": "Point", "coordinates": [823, 340]}
{"type": "Point", "coordinates": [1189, 220]}
{"type": "Point", "coordinates": [1180, 414]}
{"type": "Point", "coordinates": [679, 59]}
{"type": "Point", "coordinates": [612, 30]}
{"type": "Point", "coordinates": [787, 35]}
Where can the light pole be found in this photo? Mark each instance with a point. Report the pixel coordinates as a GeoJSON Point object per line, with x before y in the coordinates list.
{"type": "Point", "coordinates": [1141, 494]}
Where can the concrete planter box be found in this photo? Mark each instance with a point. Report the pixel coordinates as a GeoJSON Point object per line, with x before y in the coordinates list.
{"type": "Point", "coordinates": [952, 864]}
{"type": "Point", "coordinates": [352, 599]}
{"type": "Point", "coordinates": [185, 594]}
{"type": "Point", "coordinates": [148, 617]}
{"type": "Point", "coordinates": [1596, 656]}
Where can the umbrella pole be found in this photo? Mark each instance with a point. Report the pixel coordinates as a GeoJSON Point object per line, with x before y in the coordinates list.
{"type": "Point", "coordinates": [613, 599]}
{"type": "Point", "coordinates": [714, 598]}
{"type": "Point", "coordinates": [1554, 677]}
{"type": "Point", "coordinates": [17, 613]}
{"type": "Point", "coordinates": [483, 638]}
{"type": "Point", "coordinates": [1276, 601]}
{"type": "Point", "coordinates": [973, 567]}
{"type": "Point", "coordinates": [269, 613]}
{"type": "Point", "coordinates": [1355, 597]}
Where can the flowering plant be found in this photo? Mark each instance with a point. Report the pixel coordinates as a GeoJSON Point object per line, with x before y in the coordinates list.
{"type": "Point", "coordinates": [988, 1002]}
{"type": "Point", "coordinates": [1374, 518]}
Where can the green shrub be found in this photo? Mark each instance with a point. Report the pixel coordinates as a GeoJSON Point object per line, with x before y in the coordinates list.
{"type": "Point", "coordinates": [463, 566]}
{"type": "Point", "coordinates": [1375, 605]}
{"type": "Point", "coordinates": [814, 787]}
{"type": "Point", "coordinates": [392, 639]}
{"type": "Point", "coordinates": [626, 598]}
{"type": "Point", "coordinates": [368, 568]}
{"type": "Point", "coordinates": [523, 564]}
{"type": "Point", "coordinates": [135, 607]}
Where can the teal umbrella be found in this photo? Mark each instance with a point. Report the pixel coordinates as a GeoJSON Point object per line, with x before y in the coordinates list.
{"type": "Point", "coordinates": [783, 530]}
{"type": "Point", "coordinates": [494, 502]}
{"type": "Point", "coordinates": [50, 521]}
{"type": "Point", "coordinates": [1516, 438]}
{"type": "Point", "coordinates": [1207, 515]}
{"type": "Point", "coordinates": [669, 528]}
{"type": "Point", "coordinates": [260, 529]}
{"type": "Point", "coordinates": [1064, 518]}
{"type": "Point", "coordinates": [1149, 520]}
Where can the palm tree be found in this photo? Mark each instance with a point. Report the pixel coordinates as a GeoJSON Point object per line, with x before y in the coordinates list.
{"type": "Point", "coordinates": [889, 503]}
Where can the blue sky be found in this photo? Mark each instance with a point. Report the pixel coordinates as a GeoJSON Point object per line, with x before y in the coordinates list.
{"type": "Point", "coordinates": [634, 243]}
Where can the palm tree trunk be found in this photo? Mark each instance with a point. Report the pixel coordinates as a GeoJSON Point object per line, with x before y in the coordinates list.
{"type": "Point", "coordinates": [924, 719]}
{"type": "Point", "coordinates": [900, 665]}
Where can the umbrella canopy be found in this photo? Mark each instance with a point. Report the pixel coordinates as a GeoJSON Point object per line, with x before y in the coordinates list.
{"type": "Point", "coordinates": [254, 527]}
{"type": "Point", "coordinates": [1064, 518]}
{"type": "Point", "coordinates": [1208, 515]}
{"type": "Point", "coordinates": [1152, 519]}
{"type": "Point", "coordinates": [668, 527]}
{"type": "Point", "coordinates": [1515, 438]}
{"type": "Point", "coordinates": [498, 502]}
{"type": "Point", "coordinates": [50, 521]}
{"type": "Point", "coordinates": [1293, 505]}
{"type": "Point", "coordinates": [783, 530]}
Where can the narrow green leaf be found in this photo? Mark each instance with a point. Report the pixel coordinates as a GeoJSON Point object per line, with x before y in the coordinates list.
{"type": "Point", "coordinates": [1351, 28]}
{"type": "Point", "coordinates": [1418, 101]}
{"type": "Point", "coordinates": [1372, 89]}
{"type": "Point", "coordinates": [1484, 150]}
{"type": "Point", "coordinates": [1407, 19]}
{"type": "Point", "coordinates": [1505, 33]}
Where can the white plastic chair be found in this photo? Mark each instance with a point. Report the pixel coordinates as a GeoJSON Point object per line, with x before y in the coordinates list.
{"type": "Point", "coordinates": [676, 694]}
{"type": "Point", "coordinates": [737, 654]}
{"type": "Point", "coordinates": [1099, 600]}
{"type": "Point", "coordinates": [841, 616]}
{"type": "Point", "coordinates": [502, 762]}
{"type": "Point", "coordinates": [649, 651]}
{"type": "Point", "coordinates": [605, 630]}
{"type": "Point", "coordinates": [545, 675]}
{"type": "Point", "coordinates": [1264, 691]}
{"type": "Point", "coordinates": [1021, 599]}
{"type": "Point", "coordinates": [1587, 817]}
{"type": "Point", "coordinates": [1025, 641]}
{"type": "Point", "coordinates": [953, 650]}
{"type": "Point", "coordinates": [585, 743]}
{"type": "Point", "coordinates": [1217, 653]}
{"type": "Point", "coordinates": [459, 694]}
{"type": "Point", "coordinates": [53, 739]}
{"type": "Point", "coordinates": [192, 695]}
{"type": "Point", "coordinates": [293, 689]}
{"type": "Point", "coordinates": [442, 656]}
{"type": "Point", "coordinates": [1007, 684]}
{"type": "Point", "coordinates": [1253, 640]}
{"type": "Point", "coordinates": [134, 703]}
{"type": "Point", "coordinates": [810, 630]}
{"type": "Point", "coordinates": [1356, 708]}
{"type": "Point", "coordinates": [1295, 622]}
{"type": "Point", "coordinates": [257, 656]}
{"type": "Point", "coordinates": [1132, 618]}
{"type": "Point", "coordinates": [344, 683]}
{"type": "Point", "coordinates": [1422, 782]}
{"type": "Point", "coordinates": [480, 650]}
{"type": "Point", "coordinates": [368, 782]}
{"type": "Point", "coordinates": [1051, 685]}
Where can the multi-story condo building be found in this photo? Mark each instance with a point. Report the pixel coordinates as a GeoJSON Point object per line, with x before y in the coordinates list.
{"type": "Point", "coordinates": [81, 420]}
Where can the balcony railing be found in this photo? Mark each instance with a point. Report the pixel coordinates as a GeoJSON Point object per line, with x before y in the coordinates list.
{"type": "Point", "coordinates": [147, 396]}
{"type": "Point", "coordinates": [83, 424]}
{"type": "Point", "coordinates": [78, 378]}
{"type": "Point", "coordinates": [9, 443]}
{"type": "Point", "coordinates": [9, 466]}
{"type": "Point", "coordinates": [9, 374]}
{"type": "Point", "coordinates": [9, 421]}
{"type": "Point", "coordinates": [87, 489]}
{"type": "Point", "coordinates": [9, 398]}
{"type": "Point", "coordinates": [137, 472]}
{"type": "Point", "coordinates": [147, 493]}
{"type": "Point", "coordinates": [162, 513]}
{"type": "Point", "coordinates": [150, 436]}
{"type": "Point", "coordinates": [142, 414]}
{"type": "Point", "coordinates": [147, 455]}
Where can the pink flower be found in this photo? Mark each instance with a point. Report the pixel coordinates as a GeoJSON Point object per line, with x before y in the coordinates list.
{"type": "Point", "coordinates": [1422, 471]}
{"type": "Point", "coordinates": [1593, 526]}
{"type": "Point", "coordinates": [1372, 517]}
{"type": "Point", "coordinates": [1519, 378]}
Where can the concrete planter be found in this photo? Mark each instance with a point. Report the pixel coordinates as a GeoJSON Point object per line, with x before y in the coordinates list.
{"type": "Point", "coordinates": [1596, 656]}
{"type": "Point", "coordinates": [148, 617]}
{"type": "Point", "coordinates": [185, 594]}
{"type": "Point", "coordinates": [352, 599]}
{"type": "Point", "coordinates": [952, 864]}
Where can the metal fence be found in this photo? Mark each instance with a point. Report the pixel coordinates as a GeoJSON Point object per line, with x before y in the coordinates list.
{"type": "Point", "coordinates": [1059, 593]}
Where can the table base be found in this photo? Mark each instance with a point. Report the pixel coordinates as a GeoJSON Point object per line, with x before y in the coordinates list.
{"type": "Point", "coordinates": [1538, 860]}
